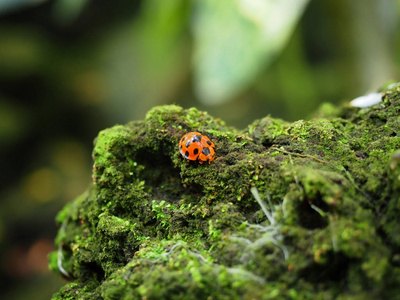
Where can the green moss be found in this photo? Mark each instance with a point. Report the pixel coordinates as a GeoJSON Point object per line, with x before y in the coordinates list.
{"type": "Point", "coordinates": [155, 226]}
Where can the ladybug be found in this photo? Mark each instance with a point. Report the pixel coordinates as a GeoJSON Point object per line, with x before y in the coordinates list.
{"type": "Point", "coordinates": [195, 146]}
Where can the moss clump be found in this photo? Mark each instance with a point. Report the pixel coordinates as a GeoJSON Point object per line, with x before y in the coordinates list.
{"type": "Point", "coordinates": [154, 226]}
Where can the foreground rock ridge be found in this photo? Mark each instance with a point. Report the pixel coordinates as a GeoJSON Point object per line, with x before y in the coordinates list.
{"type": "Point", "coordinates": [302, 210]}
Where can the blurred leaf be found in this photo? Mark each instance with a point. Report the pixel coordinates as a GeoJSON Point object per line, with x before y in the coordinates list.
{"type": "Point", "coordinates": [42, 185]}
{"type": "Point", "coordinates": [22, 51]}
{"type": "Point", "coordinates": [66, 11]}
{"type": "Point", "coordinates": [147, 58]}
{"type": "Point", "coordinates": [13, 122]}
{"type": "Point", "coordinates": [10, 5]}
{"type": "Point", "coordinates": [235, 40]}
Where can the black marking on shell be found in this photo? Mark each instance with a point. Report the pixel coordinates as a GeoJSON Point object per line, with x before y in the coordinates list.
{"type": "Point", "coordinates": [196, 151]}
{"type": "Point", "coordinates": [197, 138]}
{"type": "Point", "coordinates": [209, 143]}
{"type": "Point", "coordinates": [187, 154]}
{"type": "Point", "coordinates": [188, 144]}
{"type": "Point", "coordinates": [206, 151]}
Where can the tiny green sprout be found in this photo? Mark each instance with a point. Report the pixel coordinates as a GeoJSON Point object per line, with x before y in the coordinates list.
{"type": "Point", "coordinates": [160, 216]}
{"type": "Point", "coordinates": [251, 129]}
{"type": "Point", "coordinates": [243, 226]}
{"type": "Point", "coordinates": [215, 233]}
{"type": "Point", "coordinates": [318, 210]}
{"type": "Point", "coordinates": [198, 232]}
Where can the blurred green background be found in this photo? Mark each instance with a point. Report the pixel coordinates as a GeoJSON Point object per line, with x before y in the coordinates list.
{"type": "Point", "coordinates": [71, 68]}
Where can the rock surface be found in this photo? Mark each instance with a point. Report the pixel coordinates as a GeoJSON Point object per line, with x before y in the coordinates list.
{"type": "Point", "coordinates": [302, 210]}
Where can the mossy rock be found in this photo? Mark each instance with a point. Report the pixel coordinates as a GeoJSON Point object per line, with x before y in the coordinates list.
{"type": "Point", "coordinates": [303, 210]}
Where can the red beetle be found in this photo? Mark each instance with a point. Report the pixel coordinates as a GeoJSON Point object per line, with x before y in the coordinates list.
{"type": "Point", "coordinates": [195, 146]}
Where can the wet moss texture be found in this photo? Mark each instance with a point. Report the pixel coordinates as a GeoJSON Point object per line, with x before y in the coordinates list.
{"type": "Point", "coordinates": [302, 210]}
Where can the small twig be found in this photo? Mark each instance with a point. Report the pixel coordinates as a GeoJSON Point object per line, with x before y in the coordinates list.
{"type": "Point", "coordinates": [60, 258]}
{"type": "Point", "coordinates": [60, 255]}
{"type": "Point", "coordinates": [246, 274]}
{"type": "Point", "coordinates": [342, 169]}
{"type": "Point", "coordinates": [301, 155]}
{"type": "Point", "coordinates": [263, 205]}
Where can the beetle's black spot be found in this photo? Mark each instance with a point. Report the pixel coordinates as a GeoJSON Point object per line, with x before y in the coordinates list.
{"type": "Point", "coordinates": [188, 144]}
{"type": "Point", "coordinates": [183, 139]}
{"type": "Point", "coordinates": [209, 143]}
{"type": "Point", "coordinates": [196, 151]}
{"type": "Point", "coordinates": [206, 151]}
{"type": "Point", "coordinates": [187, 154]}
{"type": "Point", "coordinates": [197, 138]}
